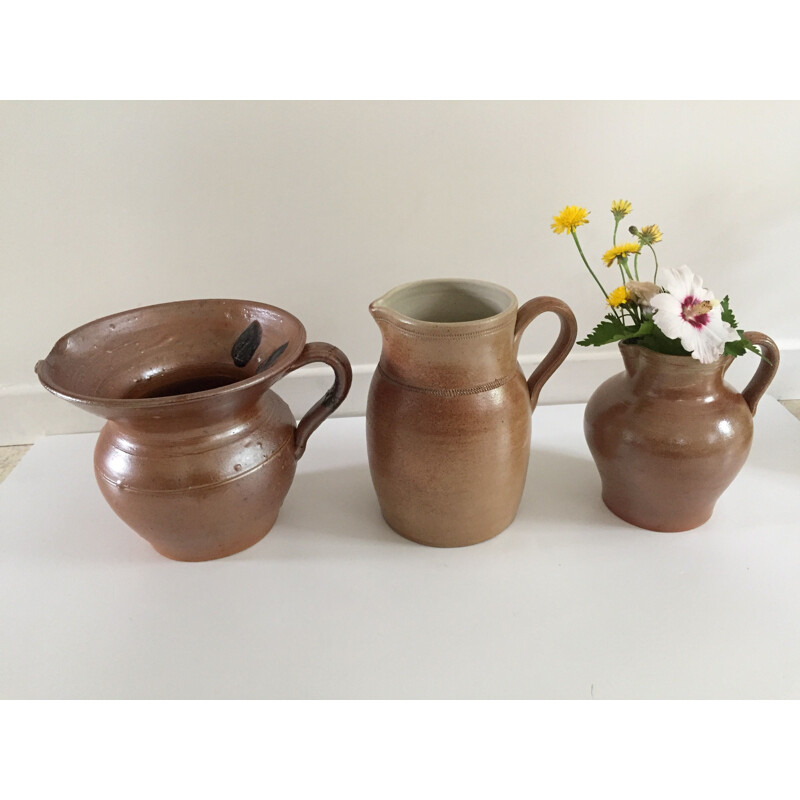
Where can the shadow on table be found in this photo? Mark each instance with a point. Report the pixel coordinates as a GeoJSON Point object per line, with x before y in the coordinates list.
{"type": "Point", "coordinates": [563, 489]}
{"type": "Point", "coordinates": [560, 490]}
{"type": "Point", "coordinates": [338, 502]}
{"type": "Point", "coordinates": [775, 438]}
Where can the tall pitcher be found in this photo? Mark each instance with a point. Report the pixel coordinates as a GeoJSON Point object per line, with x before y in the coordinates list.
{"type": "Point", "coordinates": [449, 409]}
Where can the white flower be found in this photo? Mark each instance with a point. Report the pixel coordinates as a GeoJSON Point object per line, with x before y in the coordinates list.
{"type": "Point", "coordinates": [687, 311]}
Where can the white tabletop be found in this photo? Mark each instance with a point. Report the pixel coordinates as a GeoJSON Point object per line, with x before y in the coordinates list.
{"type": "Point", "coordinates": [569, 602]}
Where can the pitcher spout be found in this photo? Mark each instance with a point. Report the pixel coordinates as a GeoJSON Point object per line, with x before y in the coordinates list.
{"type": "Point", "coordinates": [380, 310]}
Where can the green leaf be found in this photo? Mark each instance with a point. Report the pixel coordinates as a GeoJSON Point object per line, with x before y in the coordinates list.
{"type": "Point", "coordinates": [612, 330]}
{"type": "Point", "coordinates": [727, 314]}
{"type": "Point", "coordinates": [737, 348]}
{"type": "Point", "coordinates": [660, 343]}
{"type": "Point", "coordinates": [743, 345]}
{"type": "Point", "coordinates": [604, 332]}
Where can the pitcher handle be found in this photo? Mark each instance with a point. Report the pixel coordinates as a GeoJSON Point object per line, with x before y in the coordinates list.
{"type": "Point", "coordinates": [563, 344]}
{"type": "Point", "coordinates": [332, 399]}
{"type": "Point", "coordinates": [759, 383]}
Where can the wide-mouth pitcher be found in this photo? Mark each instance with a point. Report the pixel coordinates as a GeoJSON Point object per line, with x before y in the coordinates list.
{"type": "Point", "coordinates": [197, 453]}
{"type": "Point", "coordinates": [449, 408]}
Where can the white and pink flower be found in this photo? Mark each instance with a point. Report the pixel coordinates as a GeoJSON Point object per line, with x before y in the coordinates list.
{"type": "Point", "coordinates": [687, 311]}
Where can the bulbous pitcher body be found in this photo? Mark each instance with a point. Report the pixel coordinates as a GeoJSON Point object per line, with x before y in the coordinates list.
{"type": "Point", "coordinates": [669, 434]}
{"type": "Point", "coordinates": [198, 453]}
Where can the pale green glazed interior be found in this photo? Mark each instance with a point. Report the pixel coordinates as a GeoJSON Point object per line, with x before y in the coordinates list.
{"type": "Point", "coordinates": [448, 301]}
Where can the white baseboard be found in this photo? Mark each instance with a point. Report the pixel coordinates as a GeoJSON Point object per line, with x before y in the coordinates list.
{"type": "Point", "coordinates": [29, 411]}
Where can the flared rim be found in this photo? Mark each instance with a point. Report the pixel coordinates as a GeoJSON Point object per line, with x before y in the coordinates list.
{"type": "Point", "coordinates": [45, 366]}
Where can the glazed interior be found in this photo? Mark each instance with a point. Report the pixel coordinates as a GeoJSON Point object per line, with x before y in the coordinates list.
{"type": "Point", "coordinates": [449, 301]}
{"type": "Point", "coordinates": [172, 350]}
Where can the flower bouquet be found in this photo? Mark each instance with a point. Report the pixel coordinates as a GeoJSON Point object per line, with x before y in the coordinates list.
{"type": "Point", "coordinates": [675, 316]}
{"type": "Point", "coordinates": [667, 434]}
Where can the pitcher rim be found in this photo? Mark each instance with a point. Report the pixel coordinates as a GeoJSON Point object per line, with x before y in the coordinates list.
{"type": "Point", "coordinates": [134, 403]}
{"type": "Point", "coordinates": [488, 321]}
{"type": "Point", "coordinates": [682, 361]}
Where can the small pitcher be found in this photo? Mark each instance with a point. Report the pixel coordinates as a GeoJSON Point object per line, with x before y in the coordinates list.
{"type": "Point", "coordinates": [449, 409]}
{"type": "Point", "coordinates": [669, 434]}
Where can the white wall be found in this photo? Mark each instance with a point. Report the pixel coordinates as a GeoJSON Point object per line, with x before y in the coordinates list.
{"type": "Point", "coordinates": [320, 207]}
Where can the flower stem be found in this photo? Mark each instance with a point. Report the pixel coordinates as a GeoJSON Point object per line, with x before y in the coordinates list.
{"type": "Point", "coordinates": [623, 262]}
{"type": "Point", "coordinates": [614, 243]}
{"type": "Point", "coordinates": [656, 260]}
{"type": "Point", "coordinates": [636, 266]}
{"type": "Point", "coordinates": [591, 271]}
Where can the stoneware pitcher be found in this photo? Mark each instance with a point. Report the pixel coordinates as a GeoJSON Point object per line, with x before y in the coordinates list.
{"type": "Point", "coordinates": [198, 453]}
{"type": "Point", "coordinates": [449, 409]}
{"type": "Point", "coordinates": [669, 434]}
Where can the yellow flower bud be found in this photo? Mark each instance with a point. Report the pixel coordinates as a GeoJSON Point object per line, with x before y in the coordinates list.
{"type": "Point", "coordinates": [620, 209]}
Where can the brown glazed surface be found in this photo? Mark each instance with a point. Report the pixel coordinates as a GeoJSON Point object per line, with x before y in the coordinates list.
{"type": "Point", "coordinates": [449, 409]}
{"type": "Point", "coordinates": [669, 435]}
{"type": "Point", "coordinates": [198, 453]}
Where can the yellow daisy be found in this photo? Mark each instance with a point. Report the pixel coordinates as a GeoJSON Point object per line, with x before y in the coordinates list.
{"type": "Point", "coordinates": [621, 251]}
{"type": "Point", "coordinates": [649, 234]}
{"type": "Point", "coordinates": [618, 297]}
{"type": "Point", "coordinates": [569, 219]}
{"type": "Point", "coordinates": [620, 209]}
